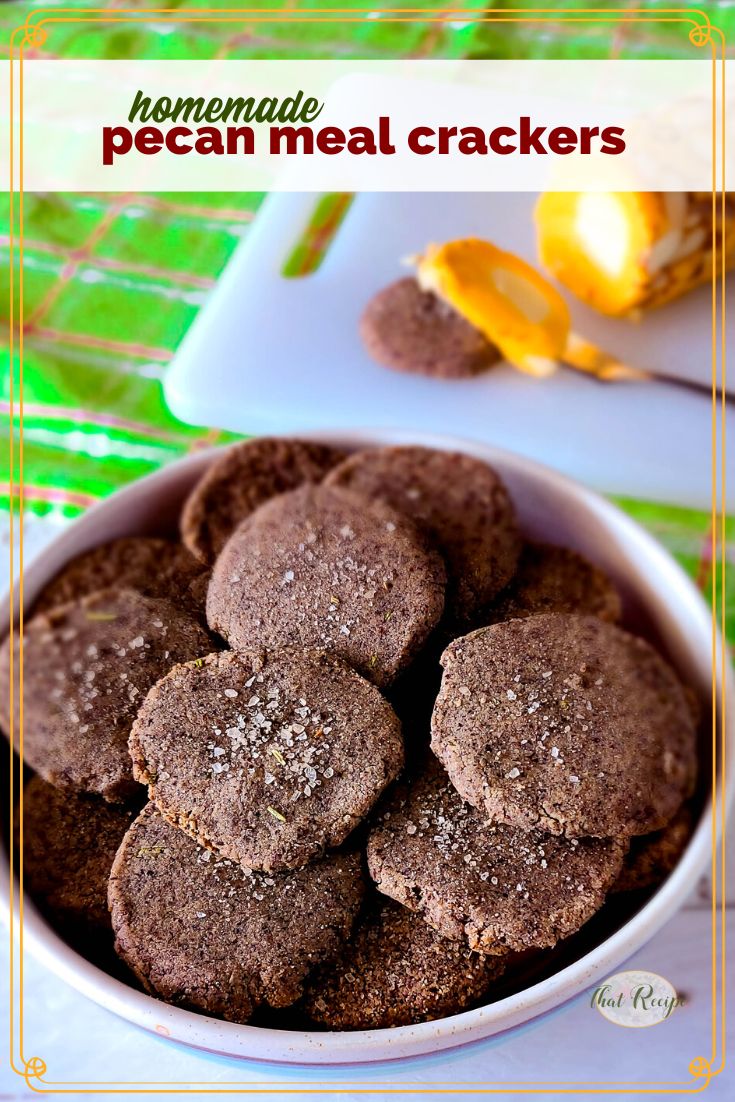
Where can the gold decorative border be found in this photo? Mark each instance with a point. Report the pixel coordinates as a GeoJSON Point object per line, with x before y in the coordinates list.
{"type": "Point", "coordinates": [701, 33]}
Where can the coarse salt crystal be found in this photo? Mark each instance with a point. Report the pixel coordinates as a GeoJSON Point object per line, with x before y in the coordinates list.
{"type": "Point", "coordinates": [232, 693]}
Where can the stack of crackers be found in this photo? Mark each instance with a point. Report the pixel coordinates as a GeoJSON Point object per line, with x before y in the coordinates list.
{"type": "Point", "coordinates": [350, 745]}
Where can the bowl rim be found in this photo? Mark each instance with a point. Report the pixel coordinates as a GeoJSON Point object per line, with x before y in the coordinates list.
{"type": "Point", "coordinates": [312, 1048]}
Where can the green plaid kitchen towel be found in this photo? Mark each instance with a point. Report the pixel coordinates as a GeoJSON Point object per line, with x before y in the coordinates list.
{"type": "Point", "coordinates": [112, 282]}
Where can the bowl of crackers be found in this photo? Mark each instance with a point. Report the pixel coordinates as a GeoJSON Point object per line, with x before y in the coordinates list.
{"type": "Point", "coordinates": [352, 748]}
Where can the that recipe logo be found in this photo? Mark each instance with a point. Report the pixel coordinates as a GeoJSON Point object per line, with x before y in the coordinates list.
{"type": "Point", "coordinates": [636, 999]}
{"type": "Point", "coordinates": [247, 125]}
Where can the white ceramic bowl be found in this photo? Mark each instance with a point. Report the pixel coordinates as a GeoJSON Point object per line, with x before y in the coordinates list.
{"type": "Point", "coordinates": [660, 601]}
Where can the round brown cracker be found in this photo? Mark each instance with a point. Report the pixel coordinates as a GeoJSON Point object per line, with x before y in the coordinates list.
{"type": "Point", "coordinates": [410, 330]}
{"type": "Point", "coordinates": [565, 723]}
{"type": "Point", "coordinates": [319, 568]}
{"type": "Point", "coordinates": [652, 857]}
{"type": "Point", "coordinates": [241, 479]}
{"type": "Point", "coordinates": [458, 501]}
{"type": "Point", "coordinates": [205, 933]}
{"type": "Point", "coordinates": [69, 843]}
{"type": "Point", "coordinates": [493, 886]}
{"type": "Point", "coordinates": [197, 593]}
{"type": "Point", "coordinates": [396, 971]}
{"type": "Point", "coordinates": [151, 566]}
{"type": "Point", "coordinates": [556, 579]}
{"type": "Point", "coordinates": [269, 758]}
{"type": "Point", "coordinates": [87, 668]}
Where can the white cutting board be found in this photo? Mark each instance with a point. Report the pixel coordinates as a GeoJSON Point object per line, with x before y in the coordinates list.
{"type": "Point", "coordinates": [269, 354]}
